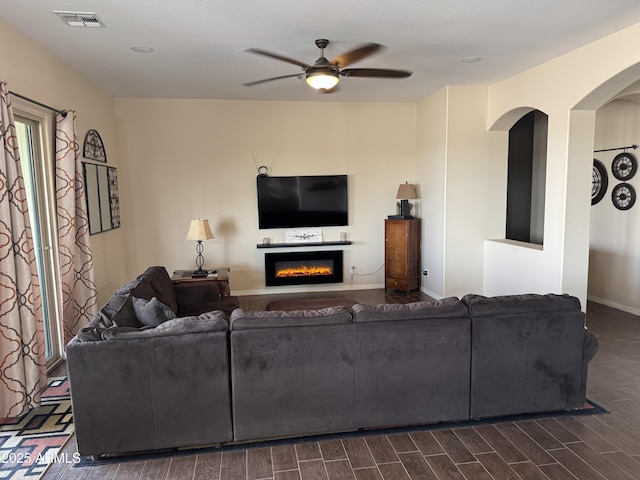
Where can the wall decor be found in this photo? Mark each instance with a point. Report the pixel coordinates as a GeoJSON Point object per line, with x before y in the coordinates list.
{"type": "Point", "coordinates": [93, 147]}
{"type": "Point", "coordinates": [623, 196]}
{"type": "Point", "coordinates": [114, 196]}
{"type": "Point", "coordinates": [103, 200]}
{"type": "Point", "coordinates": [599, 181]}
{"type": "Point", "coordinates": [624, 166]}
{"type": "Point", "coordinates": [303, 235]}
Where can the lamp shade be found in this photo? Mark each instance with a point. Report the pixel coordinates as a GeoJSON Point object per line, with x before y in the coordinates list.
{"type": "Point", "coordinates": [199, 230]}
{"type": "Point", "coordinates": [406, 191]}
{"type": "Point", "coordinates": [323, 79]}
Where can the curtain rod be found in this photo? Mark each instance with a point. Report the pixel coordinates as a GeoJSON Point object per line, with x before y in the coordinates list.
{"type": "Point", "coordinates": [618, 148]}
{"type": "Point", "coordinates": [40, 104]}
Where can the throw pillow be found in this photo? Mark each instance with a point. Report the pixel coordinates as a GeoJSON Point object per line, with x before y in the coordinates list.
{"type": "Point", "coordinates": [151, 313]}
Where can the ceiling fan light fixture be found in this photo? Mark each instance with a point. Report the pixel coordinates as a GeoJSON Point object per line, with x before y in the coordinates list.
{"type": "Point", "coordinates": [322, 79]}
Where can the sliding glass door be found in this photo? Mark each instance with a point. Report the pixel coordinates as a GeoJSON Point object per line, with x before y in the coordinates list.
{"type": "Point", "coordinates": [35, 143]}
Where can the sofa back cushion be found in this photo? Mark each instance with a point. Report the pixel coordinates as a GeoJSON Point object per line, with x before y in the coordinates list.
{"type": "Point", "coordinates": [412, 363]}
{"type": "Point", "coordinates": [162, 286]}
{"type": "Point", "coordinates": [154, 282]}
{"type": "Point", "coordinates": [446, 308]}
{"type": "Point", "coordinates": [479, 305]}
{"type": "Point", "coordinates": [527, 353]}
{"type": "Point", "coordinates": [249, 320]}
{"type": "Point", "coordinates": [292, 372]}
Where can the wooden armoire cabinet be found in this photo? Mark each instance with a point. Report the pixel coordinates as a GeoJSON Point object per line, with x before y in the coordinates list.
{"type": "Point", "coordinates": [402, 254]}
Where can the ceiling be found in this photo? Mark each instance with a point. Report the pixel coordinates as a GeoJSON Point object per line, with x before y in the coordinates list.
{"type": "Point", "coordinates": [199, 46]}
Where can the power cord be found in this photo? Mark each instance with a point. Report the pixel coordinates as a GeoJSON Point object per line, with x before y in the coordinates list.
{"type": "Point", "coordinates": [354, 274]}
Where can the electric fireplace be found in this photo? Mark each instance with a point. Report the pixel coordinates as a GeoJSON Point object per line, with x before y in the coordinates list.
{"type": "Point", "coordinates": [299, 268]}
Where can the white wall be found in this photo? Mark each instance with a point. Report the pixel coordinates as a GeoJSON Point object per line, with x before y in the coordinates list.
{"type": "Point", "coordinates": [569, 89]}
{"type": "Point", "coordinates": [31, 71]}
{"type": "Point", "coordinates": [430, 175]}
{"type": "Point", "coordinates": [614, 256]}
{"type": "Point", "coordinates": [462, 169]}
{"type": "Point", "coordinates": [185, 159]}
{"type": "Point", "coordinates": [476, 189]}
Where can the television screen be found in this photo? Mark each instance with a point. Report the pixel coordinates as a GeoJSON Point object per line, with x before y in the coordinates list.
{"type": "Point", "coordinates": [302, 201]}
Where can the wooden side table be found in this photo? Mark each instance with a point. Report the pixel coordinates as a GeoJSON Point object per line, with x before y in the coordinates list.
{"type": "Point", "coordinates": [220, 275]}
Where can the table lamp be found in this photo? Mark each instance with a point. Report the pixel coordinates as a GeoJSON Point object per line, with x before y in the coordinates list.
{"type": "Point", "coordinates": [199, 230]}
{"type": "Point", "coordinates": [406, 192]}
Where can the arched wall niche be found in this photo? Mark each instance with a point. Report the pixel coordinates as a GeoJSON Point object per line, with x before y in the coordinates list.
{"type": "Point", "coordinates": [526, 174]}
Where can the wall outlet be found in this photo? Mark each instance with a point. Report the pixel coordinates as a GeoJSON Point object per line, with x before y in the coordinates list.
{"type": "Point", "coordinates": [425, 273]}
{"type": "Point", "coordinates": [352, 269]}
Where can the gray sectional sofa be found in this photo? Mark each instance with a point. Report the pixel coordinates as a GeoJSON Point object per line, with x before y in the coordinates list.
{"type": "Point", "coordinates": [215, 378]}
{"type": "Point", "coordinates": [137, 387]}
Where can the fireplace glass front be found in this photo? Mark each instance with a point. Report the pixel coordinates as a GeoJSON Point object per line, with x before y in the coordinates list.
{"type": "Point", "coordinates": [298, 268]}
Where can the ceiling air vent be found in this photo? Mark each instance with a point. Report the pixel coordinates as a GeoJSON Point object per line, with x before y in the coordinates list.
{"type": "Point", "coordinates": [80, 19]}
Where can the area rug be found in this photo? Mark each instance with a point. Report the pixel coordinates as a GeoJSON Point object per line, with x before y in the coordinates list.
{"type": "Point", "coordinates": [311, 303]}
{"type": "Point", "coordinates": [29, 444]}
{"type": "Point", "coordinates": [589, 408]}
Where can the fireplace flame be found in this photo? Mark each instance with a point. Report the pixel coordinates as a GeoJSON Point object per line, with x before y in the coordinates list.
{"type": "Point", "coordinates": [303, 271]}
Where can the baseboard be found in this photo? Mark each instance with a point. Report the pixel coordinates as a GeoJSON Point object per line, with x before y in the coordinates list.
{"type": "Point", "coordinates": [431, 294]}
{"type": "Point", "coordinates": [617, 306]}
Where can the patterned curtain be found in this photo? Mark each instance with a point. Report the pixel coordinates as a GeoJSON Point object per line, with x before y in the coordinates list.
{"type": "Point", "coordinates": [79, 291]}
{"type": "Point", "coordinates": [23, 371]}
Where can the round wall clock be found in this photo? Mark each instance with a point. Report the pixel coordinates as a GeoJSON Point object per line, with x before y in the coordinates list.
{"type": "Point", "coordinates": [624, 166]}
{"type": "Point", "coordinates": [623, 196]}
{"type": "Point", "coordinates": [93, 147]}
{"type": "Point", "coordinates": [599, 182]}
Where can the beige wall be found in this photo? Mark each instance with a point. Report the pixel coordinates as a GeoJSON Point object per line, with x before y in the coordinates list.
{"type": "Point", "coordinates": [181, 159]}
{"type": "Point", "coordinates": [33, 72]}
{"type": "Point", "coordinates": [185, 159]}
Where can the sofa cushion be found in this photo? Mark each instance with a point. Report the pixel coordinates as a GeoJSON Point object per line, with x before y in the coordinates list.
{"type": "Point", "coordinates": [207, 322]}
{"type": "Point", "coordinates": [247, 320]}
{"type": "Point", "coordinates": [151, 313]}
{"type": "Point", "coordinates": [118, 311]}
{"type": "Point", "coordinates": [515, 304]}
{"type": "Point", "coordinates": [137, 288]}
{"type": "Point", "coordinates": [446, 308]}
{"type": "Point", "coordinates": [162, 286]}
{"type": "Point", "coordinates": [154, 282]}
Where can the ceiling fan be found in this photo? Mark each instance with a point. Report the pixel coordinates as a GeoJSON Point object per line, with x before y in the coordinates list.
{"type": "Point", "coordinates": [324, 75]}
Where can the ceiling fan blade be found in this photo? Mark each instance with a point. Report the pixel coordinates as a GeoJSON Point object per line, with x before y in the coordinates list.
{"type": "Point", "coordinates": [279, 57]}
{"type": "Point", "coordinates": [375, 73]}
{"type": "Point", "coordinates": [356, 54]}
{"type": "Point", "coordinates": [251, 84]}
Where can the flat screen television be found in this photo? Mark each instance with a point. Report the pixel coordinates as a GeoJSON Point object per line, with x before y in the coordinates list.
{"type": "Point", "coordinates": [302, 201]}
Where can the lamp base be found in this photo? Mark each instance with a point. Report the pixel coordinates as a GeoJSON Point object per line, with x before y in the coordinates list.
{"type": "Point", "coordinates": [199, 273]}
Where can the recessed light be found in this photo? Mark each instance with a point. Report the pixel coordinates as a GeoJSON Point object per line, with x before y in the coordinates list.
{"type": "Point", "coordinates": [471, 59]}
{"type": "Point", "coordinates": [142, 49]}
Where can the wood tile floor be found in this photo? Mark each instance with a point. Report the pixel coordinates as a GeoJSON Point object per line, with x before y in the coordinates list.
{"type": "Point", "coordinates": [565, 448]}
